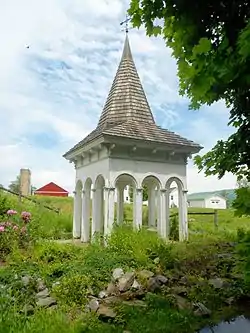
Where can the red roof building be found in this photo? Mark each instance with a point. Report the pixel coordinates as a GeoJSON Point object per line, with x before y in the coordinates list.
{"type": "Point", "coordinates": [52, 190]}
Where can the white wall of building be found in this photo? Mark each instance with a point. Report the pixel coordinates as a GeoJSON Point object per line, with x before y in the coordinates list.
{"type": "Point", "coordinates": [196, 203]}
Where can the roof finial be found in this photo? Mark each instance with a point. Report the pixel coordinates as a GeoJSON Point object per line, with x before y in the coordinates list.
{"type": "Point", "coordinates": [126, 23]}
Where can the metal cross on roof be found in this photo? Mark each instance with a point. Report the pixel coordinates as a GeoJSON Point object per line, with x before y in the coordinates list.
{"type": "Point", "coordinates": [126, 23]}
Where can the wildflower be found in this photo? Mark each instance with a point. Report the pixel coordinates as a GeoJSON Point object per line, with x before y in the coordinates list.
{"type": "Point", "coordinates": [11, 212]}
{"type": "Point", "coordinates": [15, 227]}
{"type": "Point", "coordinates": [26, 216]}
{"type": "Point", "coordinates": [8, 224]}
{"type": "Point", "coordinates": [1, 228]}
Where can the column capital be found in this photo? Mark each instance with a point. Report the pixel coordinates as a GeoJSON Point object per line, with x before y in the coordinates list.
{"type": "Point", "coordinates": [139, 190]}
{"type": "Point", "coordinates": [184, 191]}
{"type": "Point", "coordinates": [109, 189]}
{"type": "Point", "coordinates": [163, 190]}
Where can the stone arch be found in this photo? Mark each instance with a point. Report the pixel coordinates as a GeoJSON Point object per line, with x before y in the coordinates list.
{"type": "Point", "coordinates": [124, 183]}
{"type": "Point", "coordinates": [182, 206]}
{"type": "Point", "coordinates": [153, 188]}
{"type": "Point", "coordinates": [77, 225]}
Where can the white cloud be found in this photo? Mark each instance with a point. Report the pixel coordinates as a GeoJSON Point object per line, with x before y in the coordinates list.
{"type": "Point", "coordinates": [61, 81]}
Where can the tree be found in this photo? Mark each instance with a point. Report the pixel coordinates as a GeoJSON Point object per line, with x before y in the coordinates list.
{"type": "Point", "coordinates": [15, 185]}
{"type": "Point", "coordinates": [144, 193]}
{"type": "Point", "coordinates": [241, 203]}
{"type": "Point", "coordinates": [210, 40]}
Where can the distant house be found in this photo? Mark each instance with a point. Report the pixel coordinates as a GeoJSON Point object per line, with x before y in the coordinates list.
{"type": "Point", "coordinates": [207, 200]}
{"type": "Point", "coordinates": [52, 190]}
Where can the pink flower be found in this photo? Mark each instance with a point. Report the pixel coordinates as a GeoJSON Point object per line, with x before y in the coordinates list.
{"type": "Point", "coordinates": [11, 212]}
{"type": "Point", "coordinates": [26, 216]}
{"type": "Point", "coordinates": [1, 228]}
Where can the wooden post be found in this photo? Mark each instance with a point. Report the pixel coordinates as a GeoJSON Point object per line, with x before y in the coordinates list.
{"type": "Point", "coordinates": [216, 218]}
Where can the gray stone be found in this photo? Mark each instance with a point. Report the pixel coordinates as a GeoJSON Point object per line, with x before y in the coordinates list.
{"type": "Point", "coordinates": [40, 285]}
{"type": "Point", "coordinates": [217, 283]}
{"type": "Point", "coordinates": [106, 312]}
{"type": "Point", "coordinates": [112, 300]}
{"type": "Point", "coordinates": [136, 285]}
{"type": "Point", "coordinates": [28, 309]}
{"type": "Point", "coordinates": [93, 305]}
{"type": "Point", "coordinates": [145, 274]}
{"type": "Point", "coordinates": [103, 294]}
{"type": "Point", "coordinates": [201, 310]}
{"type": "Point", "coordinates": [153, 285]}
{"type": "Point", "coordinates": [46, 302]}
{"type": "Point", "coordinates": [126, 281]}
{"type": "Point", "coordinates": [162, 279]}
{"type": "Point", "coordinates": [25, 280]}
{"type": "Point", "coordinates": [112, 289]}
{"type": "Point", "coordinates": [182, 303]}
{"type": "Point", "coordinates": [117, 273]}
{"type": "Point", "coordinates": [135, 302]}
{"type": "Point", "coordinates": [43, 294]}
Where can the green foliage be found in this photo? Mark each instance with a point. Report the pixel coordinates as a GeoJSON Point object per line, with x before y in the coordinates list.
{"type": "Point", "coordinates": [241, 204]}
{"type": "Point", "coordinates": [144, 193]}
{"type": "Point", "coordinates": [14, 185]}
{"type": "Point", "coordinates": [174, 228]}
{"type": "Point", "coordinates": [210, 41]}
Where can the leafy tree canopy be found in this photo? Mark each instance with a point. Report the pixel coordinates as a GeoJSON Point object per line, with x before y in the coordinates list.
{"type": "Point", "coordinates": [210, 40]}
{"type": "Point", "coordinates": [241, 204]}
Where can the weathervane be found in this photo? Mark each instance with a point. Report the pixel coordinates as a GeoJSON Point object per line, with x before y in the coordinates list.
{"type": "Point", "coordinates": [126, 23]}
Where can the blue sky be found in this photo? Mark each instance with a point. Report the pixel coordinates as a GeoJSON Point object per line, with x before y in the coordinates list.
{"type": "Point", "coordinates": [52, 93]}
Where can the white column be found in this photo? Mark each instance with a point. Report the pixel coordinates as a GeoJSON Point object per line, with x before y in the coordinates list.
{"type": "Point", "coordinates": [85, 218]}
{"type": "Point", "coordinates": [162, 223]}
{"type": "Point", "coordinates": [94, 212]}
{"type": "Point", "coordinates": [106, 210]}
{"type": "Point", "coordinates": [111, 208]}
{"type": "Point", "coordinates": [138, 208]}
{"type": "Point", "coordinates": [166, 226]}
{"type": "Point", "coordinates": [151, 206]}
{"type": "Point", "coordinates": [183, 216]}
{"type": "Point", "coordinates": [120, 204]}
{"type": "Point", "coordinates": [77, 215]}
{"type": "Point", "coordinates": [98, 209]}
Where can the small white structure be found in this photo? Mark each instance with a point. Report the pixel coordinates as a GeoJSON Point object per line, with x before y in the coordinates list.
{"type": "Point", "coordinates": [207, 200]}
{"type": "Point", "coordinates": [127, 148]}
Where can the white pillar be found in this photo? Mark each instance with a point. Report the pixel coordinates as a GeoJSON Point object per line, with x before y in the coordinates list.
{"type": "Point", "coordinates": [77, 215]}
{"type": "Point", "coordinates": [120, 204]}
{"type": "Point", "coordinates": [94, 212]}
{"type": "Point", "coordinates": [183, 219]}
{"type": "Point", "coordinates": [138, 208]}
{"type": "Point", "coordinates": [111, 209]}
{"type": "Point", "coordinates": [162, 223]}
{"type": "Point", "coordinates": [151, 206]}
{"type": "Point", "coordinates": [98, 209]}
{"type": "Point", "coordinates": [85, 217]}
{"type": "Point", "coordinates": [106, 210]}
{"type": "Point", "coordinates": [166, 226]}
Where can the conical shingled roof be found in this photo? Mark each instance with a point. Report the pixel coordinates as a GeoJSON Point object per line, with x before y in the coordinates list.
{"type": "Point", "coordinates": [127, 113]}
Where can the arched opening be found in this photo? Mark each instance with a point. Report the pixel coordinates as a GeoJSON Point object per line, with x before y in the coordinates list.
{"type": "Point", "coordinates": [125, 189]}
{"type": "Point", "coordinates": [151, 186]}
{"type": "Point", "coordinates": [176, 199]}
{"type": "Point", "coordinates": [86, 211]}
{"type": "Point", "coordinates": [98, 206]}
{"type": "Point", "coordinates": [77, 222]}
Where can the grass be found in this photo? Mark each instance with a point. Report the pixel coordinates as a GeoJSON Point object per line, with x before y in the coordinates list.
{"type": "Point", "coordinates": [76, 270]}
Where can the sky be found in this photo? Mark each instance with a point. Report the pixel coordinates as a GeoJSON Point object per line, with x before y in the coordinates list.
{"type": "Point", "coordinates": [57, 62]}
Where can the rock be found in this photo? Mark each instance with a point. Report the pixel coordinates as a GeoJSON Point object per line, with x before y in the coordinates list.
{"type": "Point", "coordinates": [43, 294]}
{"type": "Point", "coordinates": [25, 280]}
{"type": "Point", "coordinates": [201, 310]}
{"type": "Point", "coordinates": [106, 312]}
{"type": "Point", "coordinates": [40, 285]}
{"type": "Point", "coordinates": [145, 274]}
{"type": "Point", "coordinates": [103, 294]}
{"type": "Point", "coordinates": [93, 305]}
{"type": "Point", "coordinates": [126, 281]}
{"type": "Point", "coordinates": [162, 279]}
{"type": "Point", "coordinates": [156, 260]}
{"type": "Point", "coordinates": [217, 283]}
{"type": "Point", "coordinates": [46, 302]}
{"type": "Point", "coordinates": [136, 285]}
{"type": "Point", "coordinates": [117, 274]}
{"type": "Point", "coordinates": [28, 309]}
{"type": "Point", "coordinates": [112, 289]}
{"type": "Point", "coordinates": [153, 284]}
{"type": "Point", "coordinates": [135, 302]}
{"type": "Point", "coordinates": [112, 300]}
{"type": "Point", "coordinates": [182, 303]}
{"type": "Point", "coordinates": [179, 290]}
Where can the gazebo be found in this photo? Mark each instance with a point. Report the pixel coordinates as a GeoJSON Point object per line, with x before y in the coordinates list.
{"type": "Point", "coordinates": [128, 148]}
